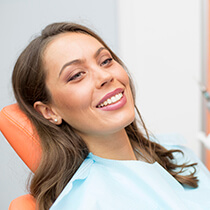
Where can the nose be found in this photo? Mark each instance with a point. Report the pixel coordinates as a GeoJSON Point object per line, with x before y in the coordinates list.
{"type": "Point", "coordinates": [103, 77]}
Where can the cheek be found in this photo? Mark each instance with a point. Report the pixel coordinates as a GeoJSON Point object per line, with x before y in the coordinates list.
{"type": "Point", "coordinates": [72, 107]}
{"type": "Point", "coordinates": [124, 78]}
{"type": "Point", "coordinates": [72, 100]}
{"type": "Point", "coordinates": [121, 75]}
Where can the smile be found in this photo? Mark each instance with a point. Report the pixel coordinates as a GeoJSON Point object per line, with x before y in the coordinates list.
{"type": "Point", "coordinates": [111, 100]}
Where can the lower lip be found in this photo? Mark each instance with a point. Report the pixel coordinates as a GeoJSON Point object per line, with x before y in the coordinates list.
{"type": "Point", "coordinates": [116, 105]}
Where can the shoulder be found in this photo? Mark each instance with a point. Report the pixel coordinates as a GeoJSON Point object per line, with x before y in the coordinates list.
{"type": "Point", "coordinates": [70, 192]}
{"type": "Point", "coordinates": [178, 142]}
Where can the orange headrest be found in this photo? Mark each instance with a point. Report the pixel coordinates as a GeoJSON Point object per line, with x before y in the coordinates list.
{"type": "Point", "coordinates": [19, 132]}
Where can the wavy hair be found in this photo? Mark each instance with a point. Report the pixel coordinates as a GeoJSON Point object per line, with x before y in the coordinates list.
{"type": "Point", "coordinates": [63, 150]}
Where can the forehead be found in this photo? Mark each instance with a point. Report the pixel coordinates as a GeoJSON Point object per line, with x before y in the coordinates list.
{"type": "Point", "coordinates": [71, 43]}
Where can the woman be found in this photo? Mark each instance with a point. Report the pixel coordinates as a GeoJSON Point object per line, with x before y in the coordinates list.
{"type": "Point", "coordinates": [80, 98]}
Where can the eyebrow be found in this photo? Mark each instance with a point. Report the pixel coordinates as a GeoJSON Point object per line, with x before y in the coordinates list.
{"type": "Point", "coordinates": [76, 61]}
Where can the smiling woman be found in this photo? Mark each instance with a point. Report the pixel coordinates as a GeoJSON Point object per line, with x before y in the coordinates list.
{"type": "Point", "coordinates": [81, 99]}
{"type": "Point", "coordinates": [80, 75]}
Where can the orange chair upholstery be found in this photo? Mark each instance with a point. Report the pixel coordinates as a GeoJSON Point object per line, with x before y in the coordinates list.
{"type": "Point", "coordinates": [21, 135]}
{"type": "Point", "coordinates": [24, 202]}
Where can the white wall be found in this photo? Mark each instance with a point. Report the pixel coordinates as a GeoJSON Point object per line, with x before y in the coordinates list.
{"type": "Point", "coordinates": [161, 43]}
{"type": "Point", "coordinates": [19, 21]}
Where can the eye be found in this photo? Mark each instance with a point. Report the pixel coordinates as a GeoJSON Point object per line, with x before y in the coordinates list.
{"type": "Point", "coordinates": [76, 76]}
{"type": "Point", "coordinates": [106, 62]}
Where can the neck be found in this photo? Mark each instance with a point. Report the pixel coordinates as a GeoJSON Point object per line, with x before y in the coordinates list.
{"type": "Point", "coordinates": [116, 146]}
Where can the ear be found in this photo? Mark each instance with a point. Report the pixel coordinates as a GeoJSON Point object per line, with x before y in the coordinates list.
{"type": "Point", "coordinates": [47, 112]}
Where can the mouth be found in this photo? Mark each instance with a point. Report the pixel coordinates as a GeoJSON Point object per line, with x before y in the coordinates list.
{"type": "Point", "coordinates": [111, 98]}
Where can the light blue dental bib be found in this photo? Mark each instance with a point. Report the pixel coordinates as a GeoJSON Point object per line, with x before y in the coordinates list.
{"type": "Point", "coordinates": [103, 184]}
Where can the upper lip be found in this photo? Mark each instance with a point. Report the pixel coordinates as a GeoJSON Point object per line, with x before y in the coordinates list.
{"type": "Point", "coordinates": [109, 95]}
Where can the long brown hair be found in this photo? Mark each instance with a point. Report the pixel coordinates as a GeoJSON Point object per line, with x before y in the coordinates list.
{"type": "Point", "coordinates": [64, 150]}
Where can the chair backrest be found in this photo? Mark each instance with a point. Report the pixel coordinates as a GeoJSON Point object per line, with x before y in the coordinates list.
{"type": "Point", "coordinates": [24, 202]}
{"type": "Point", "coordinates": [21, 135]}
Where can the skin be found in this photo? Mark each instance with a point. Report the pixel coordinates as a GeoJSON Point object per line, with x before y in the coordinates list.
{"type": "Point", "coordinates": [80, 72]}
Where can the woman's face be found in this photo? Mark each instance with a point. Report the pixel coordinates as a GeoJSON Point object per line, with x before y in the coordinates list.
{"type": "Point", "coordinates": [89, 89]}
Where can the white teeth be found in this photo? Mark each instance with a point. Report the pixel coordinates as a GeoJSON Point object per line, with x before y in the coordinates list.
{"type": "Point", "coordinates": [118, 97]}
{"type": "Point", "coordinates": [111, 100]}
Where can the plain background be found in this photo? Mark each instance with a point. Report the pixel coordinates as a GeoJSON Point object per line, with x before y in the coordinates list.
{"type": "Point", "coordinates": [162, 42]}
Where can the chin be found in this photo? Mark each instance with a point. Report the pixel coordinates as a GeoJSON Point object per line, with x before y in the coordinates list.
{"type": "Point", "coordinates": [128, 121]}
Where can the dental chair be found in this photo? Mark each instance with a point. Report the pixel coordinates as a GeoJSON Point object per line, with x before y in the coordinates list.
{"type": "Point", "coordinates": [21, 135]}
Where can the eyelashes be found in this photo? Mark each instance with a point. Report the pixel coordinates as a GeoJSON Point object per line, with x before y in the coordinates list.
{"type": "Point", "coordinates": [76, 76]}
{"type": "Point", "coordinates": [79, 75]}
{"type": "Point", "coordinates": [106, 62]}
